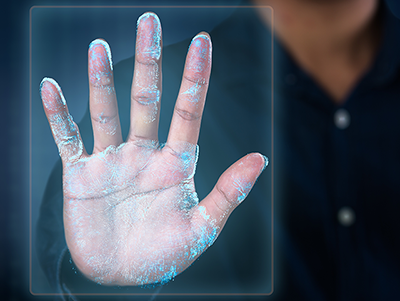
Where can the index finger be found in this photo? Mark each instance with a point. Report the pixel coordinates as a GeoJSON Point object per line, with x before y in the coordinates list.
{"type": "Point", "coordinates": [185, 124]}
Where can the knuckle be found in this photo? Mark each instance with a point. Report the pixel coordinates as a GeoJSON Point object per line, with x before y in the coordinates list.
{"type": "Point", "coordinates": [146, 96]}
{"type": "Point", "coordinates": [104, 119]}
{"type": "Point", "coordinates": [196, 79]}
{"type": "Point", "coordinates": [187, 115]}
{"type": "Point", "coordinates": [226, 204]}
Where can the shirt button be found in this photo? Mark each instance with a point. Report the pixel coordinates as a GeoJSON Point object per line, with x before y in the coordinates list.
{"type": "Point", "coordinates": [346, 216]}
{"type": "Point", "coordinates": [342, 119]}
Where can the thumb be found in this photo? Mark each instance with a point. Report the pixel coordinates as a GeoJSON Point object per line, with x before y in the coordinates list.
{"type": "Point", "coordinates": [231, 189]}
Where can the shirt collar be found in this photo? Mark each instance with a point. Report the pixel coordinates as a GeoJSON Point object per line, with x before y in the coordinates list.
{"type": "Point", "coordinates": [387, 62]}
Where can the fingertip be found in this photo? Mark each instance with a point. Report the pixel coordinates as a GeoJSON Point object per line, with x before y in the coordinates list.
{"type": "Point", "coordinates": [97, 41]}
{"type": "Point", "coordinates": [149, 37]}
{"type": "Point", "coordinates": [202, 43]}
{"type": "Point", "coordinates": [100, 63]}
{"type": "Point", "coordinates": [52, 96]}
{"type": "Point", "coordinates": [256, 161]}
{"type": "Point", "coordinates": [198, 61]}
{"type": "Point", "coordinates": [204, 35]}
{"type": "Point", "coordinates": [148, 15]}
{"type": "Point", "coordinates": [261, 161]}
{"type": "Point", "coordinates": [49, 83]}
{"type": "Point", "coordinates": [266, 162]}
{"type": "Point", "coordinates": [100, 47]}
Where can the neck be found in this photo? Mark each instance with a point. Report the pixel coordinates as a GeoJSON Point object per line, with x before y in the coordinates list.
{"type": "Point", "coordinates": [333, 40]}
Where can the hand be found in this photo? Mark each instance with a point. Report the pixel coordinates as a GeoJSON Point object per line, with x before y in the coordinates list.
{"type": "Point", "coordinates": [131, 212]}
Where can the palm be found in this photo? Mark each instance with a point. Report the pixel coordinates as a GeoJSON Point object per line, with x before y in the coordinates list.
{"type": "Point", "coordinates": [131, 212]}
{"type": "Point", "coordinates": [151, 213]}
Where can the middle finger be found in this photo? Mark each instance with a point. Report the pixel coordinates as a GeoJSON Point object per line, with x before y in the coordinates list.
{"type": "Point", "coordinates": [146, 85]}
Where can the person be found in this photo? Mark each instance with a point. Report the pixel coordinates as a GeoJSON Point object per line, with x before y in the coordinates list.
{"type": "Point", "coordinates": [336, 88]}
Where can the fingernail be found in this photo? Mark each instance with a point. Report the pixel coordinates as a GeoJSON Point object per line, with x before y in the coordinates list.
{"type": "Point", "coordinates": [51, 99]}
{"type": "Point", "coordinates": [149, 45]}
{"type": "Point", "coordinates": [100, 62]}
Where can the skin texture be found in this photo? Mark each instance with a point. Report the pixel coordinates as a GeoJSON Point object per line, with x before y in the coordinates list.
{"type": "Point", "coordinates": [131, 212]}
